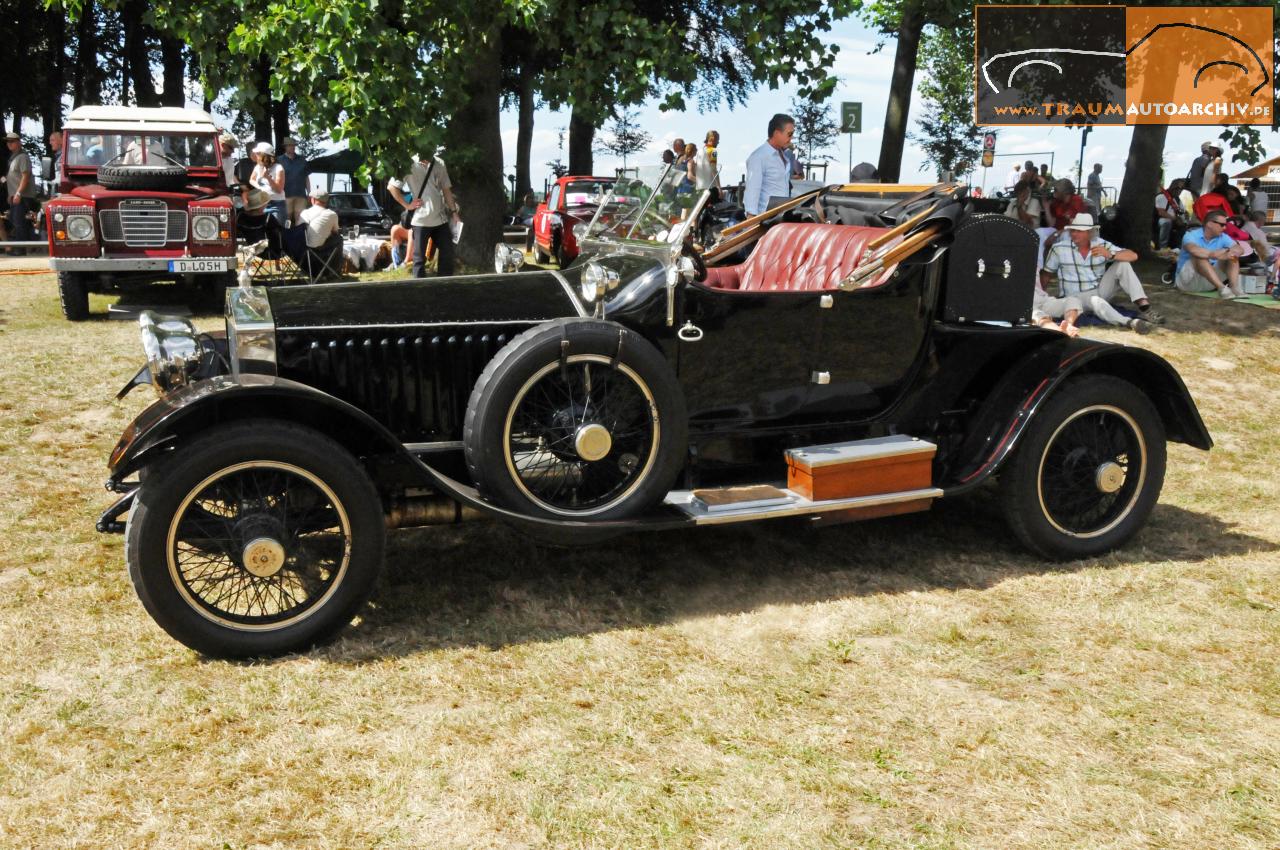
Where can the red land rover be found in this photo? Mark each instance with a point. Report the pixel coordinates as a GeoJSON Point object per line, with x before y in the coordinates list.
{"type": "Point", "coordinates": [142, 196]}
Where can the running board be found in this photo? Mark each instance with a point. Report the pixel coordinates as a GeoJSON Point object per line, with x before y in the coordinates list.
{"type": "Point", "coordinates": [745, 504]}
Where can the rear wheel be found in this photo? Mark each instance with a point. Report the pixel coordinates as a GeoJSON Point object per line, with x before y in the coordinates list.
{"type": "Point", "coordinates": [1088, 471]}
{"type": "Point", "coordinates": [258, 538]}
{"type": "Point", "coordinates": [73, 290]}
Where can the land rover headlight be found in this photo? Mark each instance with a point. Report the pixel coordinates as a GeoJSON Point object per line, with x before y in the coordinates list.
{"type": "Point", "coordinates": [596, 281]}
{"type": "Point", "coordinates": [507, 258]}
{"type": "Point", "coordinates": [172, 347]}
{"type": "Point", "coordinates": [205, 227]}
{"type": "Point", "coordinates": [80, 227]}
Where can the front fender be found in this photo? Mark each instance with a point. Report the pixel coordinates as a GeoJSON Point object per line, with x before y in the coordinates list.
{"type": "Point", "coordinates": [1004, 415]}
{"type": "Point", "coordinates": [188, 410]}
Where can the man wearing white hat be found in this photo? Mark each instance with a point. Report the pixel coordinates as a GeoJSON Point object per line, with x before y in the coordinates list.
{"type": "Point", "coordinates": [1200, 168]}
{"type": "Point", "coordinates": [1085, 282]}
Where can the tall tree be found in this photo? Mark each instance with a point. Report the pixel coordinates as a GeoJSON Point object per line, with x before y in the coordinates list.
{"type": "Point", "coordinates": [905, 20]}
{"type": "Point", "coordinates": [625, 136]}
{"type": "Point", "coordinates": [815, 128]}
{"type": "Point", "coordinates": [949, 138]}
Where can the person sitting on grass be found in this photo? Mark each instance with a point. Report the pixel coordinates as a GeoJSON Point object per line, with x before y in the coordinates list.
{"type": "Point", "coordinates": [1268, 254]}
{"type": "Point", "coordinates": [1208, 254]}
{"type": "Point", "coordinates": [1085, 282]}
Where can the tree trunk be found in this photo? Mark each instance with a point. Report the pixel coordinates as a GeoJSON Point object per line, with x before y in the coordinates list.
{"type": "Point", "coordinates": [87, 75]}
{"type": "Point", "coordinates": [581, 135]}
{"type": "Point", "coordinates": [1141, 183]}
{"type": "Point", "coordinates": [175, 72]}
{"type": "Point", "coordinates": [280, 120]}
{"type": "Point", "coordinates": [904, 74]}
{"type": "Point", "coordinates": [137, 53]}
{"type": "Point", "coordinates": [260, 109]}
{"type": "Point", "coordinates": [51, 101]}
{"type": "Point", "coordinates": [524, 136]}
{"type": "Point", "coordinates": [474, 139]}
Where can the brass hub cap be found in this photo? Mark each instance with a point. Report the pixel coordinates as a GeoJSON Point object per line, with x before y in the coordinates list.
{"type": "Point", "coordinates": [263, 556]}
{"type": "Point", "coordinates": [1109, 478]}
{"type": "Point", "coordinates": [592, 442]}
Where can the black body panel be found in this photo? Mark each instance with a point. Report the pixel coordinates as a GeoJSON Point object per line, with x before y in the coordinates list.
{"type": "Point", "coordinates": [991, 271]}
{"type": "Point", "coordinates": [522, 299]}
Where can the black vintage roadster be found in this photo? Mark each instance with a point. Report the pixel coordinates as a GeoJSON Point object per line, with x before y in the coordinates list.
{"type": "Point", "coordinates": [870, 355]}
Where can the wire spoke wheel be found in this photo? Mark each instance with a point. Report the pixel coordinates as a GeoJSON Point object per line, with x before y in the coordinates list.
{"type": "Point", "coordinates": [580, 437]}
{"type": "Point", "coordinates": [258, 545]}
{"type": "Point", "coordinates": [1092, 470]}
{"type": "Point", "coordinates": [1088, 470]}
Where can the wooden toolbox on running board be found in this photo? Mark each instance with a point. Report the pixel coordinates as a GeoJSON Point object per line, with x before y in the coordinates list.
{"type": "Point", "coordinates": [870, 467]}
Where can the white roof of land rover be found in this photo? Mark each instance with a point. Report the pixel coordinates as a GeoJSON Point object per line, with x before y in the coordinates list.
{"type": "Point", "coordinates": [137, 119]}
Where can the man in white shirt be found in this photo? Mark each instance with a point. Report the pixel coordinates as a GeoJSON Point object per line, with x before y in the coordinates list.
{"type": "Point", "coordinates": [321, 222]}
{"type": "Point", "coordinates": [434, 209]}
{"type": "Point", "coordinates": [768, 171]}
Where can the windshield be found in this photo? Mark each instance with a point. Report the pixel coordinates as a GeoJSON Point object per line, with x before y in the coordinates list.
{"type": "Point", "coordinates": [94, 149]}
{"type": "Point", "coordinates": [352, 202]}
{"type": "Point", "coordinates": [579, 193]}
{"type": "Point", "coordinates": [649, 206]}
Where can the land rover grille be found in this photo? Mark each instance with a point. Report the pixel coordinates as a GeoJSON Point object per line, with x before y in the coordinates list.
{"type": "Point", "coordinates": [143, 224]}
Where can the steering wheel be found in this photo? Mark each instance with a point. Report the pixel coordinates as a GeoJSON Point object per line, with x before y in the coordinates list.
{"type": "Point", "coordinates": [699, 267]}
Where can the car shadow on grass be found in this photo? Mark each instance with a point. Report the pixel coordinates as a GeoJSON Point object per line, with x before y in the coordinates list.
{"type": "Point", "coordinates": [486, 585]}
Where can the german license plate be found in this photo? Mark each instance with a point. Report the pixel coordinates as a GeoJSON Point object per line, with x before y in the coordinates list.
{"type": "Point", "coordinates": [198, 266]}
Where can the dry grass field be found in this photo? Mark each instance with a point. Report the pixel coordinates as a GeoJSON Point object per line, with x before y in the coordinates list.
{"type": "Point", "coordinates": [918, 682]}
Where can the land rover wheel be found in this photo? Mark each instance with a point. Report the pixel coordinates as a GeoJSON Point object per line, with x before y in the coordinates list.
{"type": "Point", "coordinates": [144, 177]}
{"type": "Point", "coordinates": [1088, 471]}
{"type": "Point", "coordinates": [576, 420]}
{"type": "Point", "coordinates": [73, 290]}
{"type": "Point", "coordinates": [257, 539]}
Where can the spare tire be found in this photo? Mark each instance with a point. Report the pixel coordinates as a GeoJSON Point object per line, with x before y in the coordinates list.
{"type": "Point", "coordinates": [577, 420]}
{"type": "Point", "coordinates": [155, 177]}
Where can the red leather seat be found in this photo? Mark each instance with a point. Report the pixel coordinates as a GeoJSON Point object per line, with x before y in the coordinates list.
{"type": "Point", "coordinates": [797, 257]}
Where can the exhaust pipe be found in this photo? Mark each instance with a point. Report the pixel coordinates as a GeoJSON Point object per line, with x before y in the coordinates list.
{"type": "Point", "coordinates": [415, 511]}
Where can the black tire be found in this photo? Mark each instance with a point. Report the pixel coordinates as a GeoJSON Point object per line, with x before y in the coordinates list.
{"type": "Point", "coordinates": [201, 512]}
{"type": "Point", "coordinates": [562, 255]}
{"type": "Point", "coordinates": [526, 450]}
{"type": "Point", "coordinates": [73, 291]}
{"type": "Point", "coordinates": [155, 177]}
{"type": "Point", "coordinates": [1071, 489]}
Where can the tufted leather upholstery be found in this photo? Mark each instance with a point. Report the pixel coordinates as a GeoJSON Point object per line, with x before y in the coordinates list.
{"type": "Point", "coordinates": [796, 258]}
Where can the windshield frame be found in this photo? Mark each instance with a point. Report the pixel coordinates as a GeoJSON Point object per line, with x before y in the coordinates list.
{"type": "Point", "coordinates": [144, 138]}
{"type": "Point", "coordinates": [675, 231]}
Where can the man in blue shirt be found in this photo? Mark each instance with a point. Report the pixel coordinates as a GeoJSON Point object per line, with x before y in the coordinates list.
{"type": "Point", "coordinates": [768, 171]}
{"type": "Point", "coordinates": [295, 180]}
{"type": "Point", "coordinates": [1202, 250]}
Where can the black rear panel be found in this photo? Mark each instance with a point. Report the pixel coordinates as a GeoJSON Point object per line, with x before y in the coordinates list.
{"type": "Point", "coordinates": [991, 271]}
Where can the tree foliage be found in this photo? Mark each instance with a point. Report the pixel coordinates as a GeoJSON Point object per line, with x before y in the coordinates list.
{"type": "Point", "coordinates": [816, 129]}
{"type": "Point", "coordinates": [624, 136]}
{"type": "Point", "coordinates": [949, 138]}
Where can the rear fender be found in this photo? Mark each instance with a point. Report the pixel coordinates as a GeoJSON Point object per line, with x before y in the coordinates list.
{"type": "Point", "coordinates": [1003, 417]}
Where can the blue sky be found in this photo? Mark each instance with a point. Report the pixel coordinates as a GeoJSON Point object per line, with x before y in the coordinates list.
{"type": "Point", "coordinates": [864, 77]}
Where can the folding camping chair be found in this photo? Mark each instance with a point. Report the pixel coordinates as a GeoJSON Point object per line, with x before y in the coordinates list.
{"type": "Point", "coordinates": [274, 262]}
{"type": "Point", "coordinates": [324, 263]}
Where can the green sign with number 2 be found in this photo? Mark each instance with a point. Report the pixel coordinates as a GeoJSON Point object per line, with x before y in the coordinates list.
{"type": "Point", "coordinates": [850, 117]}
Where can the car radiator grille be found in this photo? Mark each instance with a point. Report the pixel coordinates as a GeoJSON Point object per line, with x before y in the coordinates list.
{"type": "Point", "coordinates": [417, 384]}
{"type": "Point", "coordinates": [143, 224]}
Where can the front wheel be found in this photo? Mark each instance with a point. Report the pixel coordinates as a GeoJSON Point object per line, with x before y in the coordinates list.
{"type": "Point", "coordinates": [73, 291]}
{"type": "Point", "coordinates": [257, 539]}
{"type": "Point", "coordinates": [1087, 472]}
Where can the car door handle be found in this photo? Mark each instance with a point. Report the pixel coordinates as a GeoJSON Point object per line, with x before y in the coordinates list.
{"type": "Point", "coordinates": [689, 332]}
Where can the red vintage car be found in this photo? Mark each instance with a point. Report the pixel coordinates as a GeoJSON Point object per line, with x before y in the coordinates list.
{"type": "Point", "coordinates": [571, 201]}
{"type": "Point", "coordinates": [142, 197]}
